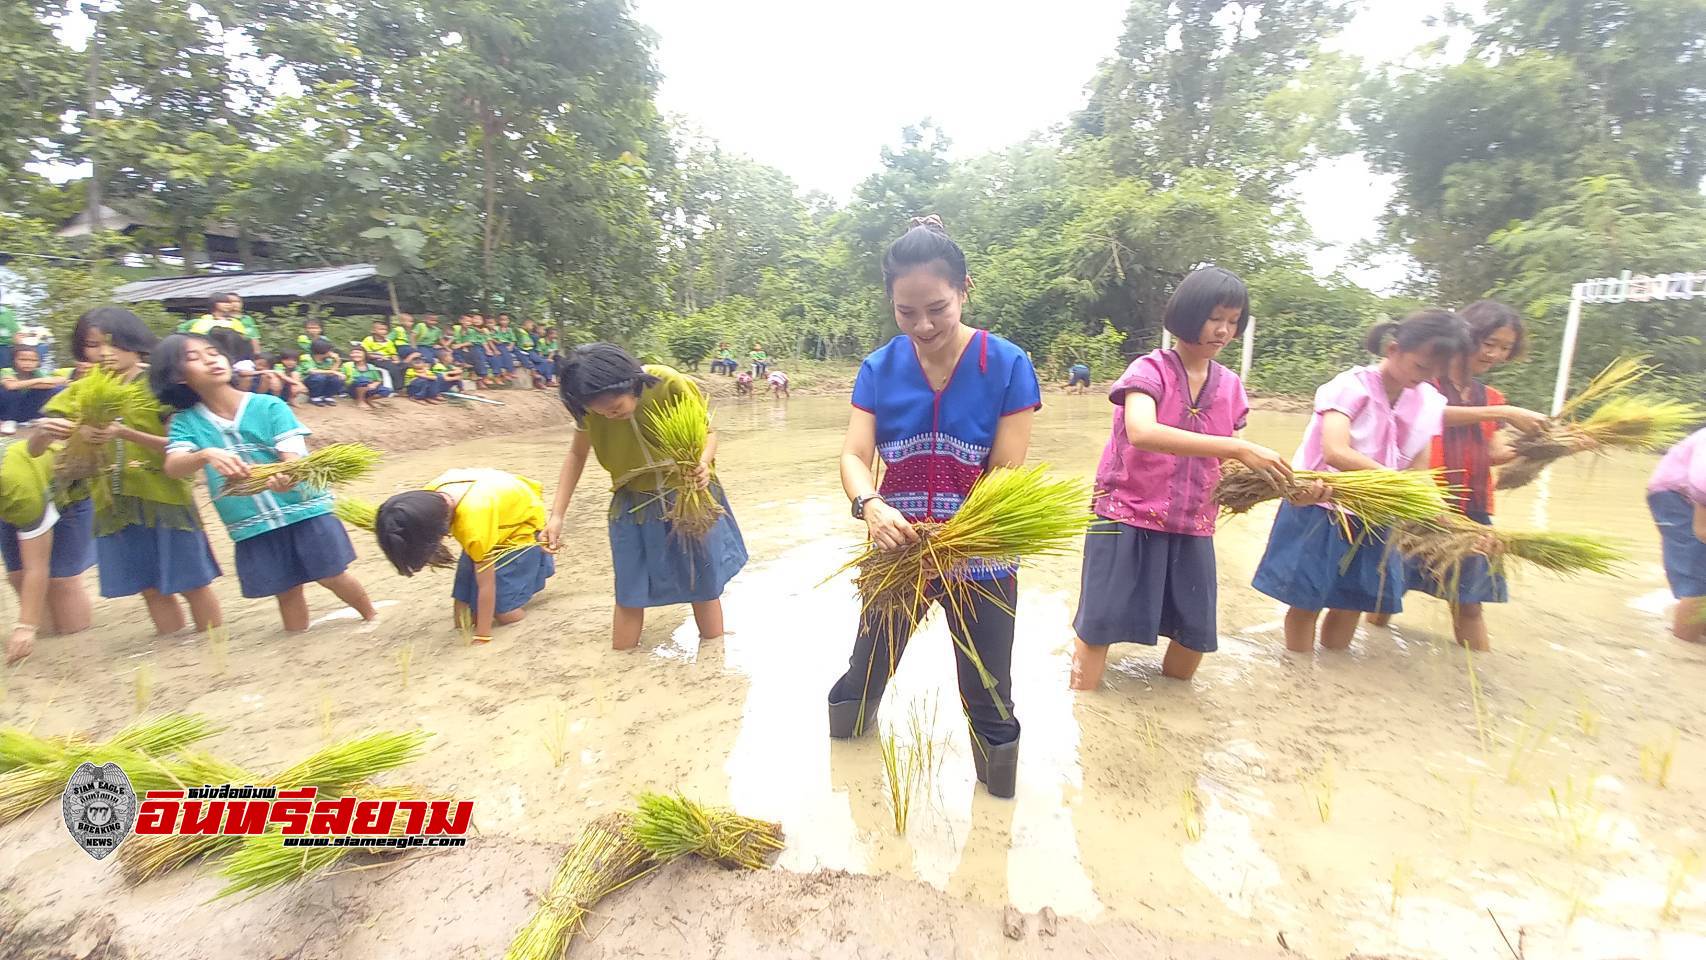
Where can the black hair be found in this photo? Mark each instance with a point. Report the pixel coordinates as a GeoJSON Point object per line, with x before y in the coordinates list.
{"type": "Point", "coordinates": [598, 370]}
{"type": "Point", "coordinates": [1486, 317]}
{"type": "Point", "coordinates": [232, 344]}
{"type": "Point", "coordinates": [411, 528]}
{"type": "Point", "coordinates": [124, 330]}
{"type": "Point", "coordinates": [220, 298]}
{"type": "Point", "coordinates": [923, 245]}
{"type": "Point", "coordinates": [380, 320]}
{"type": "Point", "coordinates": [314, 320]}
{"type": "Point", "coordinates": [1196, 298]}
{"type": "Point", "coordinates": [321, 346]}
{"type": "Point", "coordinates": [418, 355]}
{"type": "Point", "coordinates": [27, 348]}
{"type": "Point", "coordinates": [283, 355]}
{"type": "Point", "coordinates": [85, 325]}
{"type": "Point", "coordinates": [1431, 330]}
{"type": "Point", "coordinates": [166, 370]}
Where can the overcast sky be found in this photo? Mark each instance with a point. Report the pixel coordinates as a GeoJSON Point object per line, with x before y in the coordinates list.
{"type": "Point", "coordinates": [816, 89]}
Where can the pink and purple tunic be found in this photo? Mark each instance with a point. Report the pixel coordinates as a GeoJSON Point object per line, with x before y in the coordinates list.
{"type": "Point", "coordinates": [1162, 491]}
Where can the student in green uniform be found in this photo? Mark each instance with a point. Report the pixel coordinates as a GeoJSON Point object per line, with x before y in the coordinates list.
{"type": "Point", "coordinates": [323, 373]}
{"type": "Point", "coordinates": [470, 342]}
{"type": "Point", "coordinates": [424, 382]}
{"type": "Point", "coordinates": [366, 381]}
{"type": "Point", "coordinates": [449, 370]}
{"type": "Point", "coordinates": [25, 388]}
{"type": "Point", "coordinates": [46, 572]}
{"type": "Point", "coordinates": [760, 361]}
{"type": "Point", "coordinates": [403, 330]}
{"type": "Point", "coordinates": [503, 340]}
{"type": "Point", "coordinates": [312, 331]}
{"type": "Point", "coordinates": [8, 335]}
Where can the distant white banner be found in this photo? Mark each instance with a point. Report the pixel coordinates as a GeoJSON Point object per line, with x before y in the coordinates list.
{"type": "Point", "coordinates": [1640, 288]}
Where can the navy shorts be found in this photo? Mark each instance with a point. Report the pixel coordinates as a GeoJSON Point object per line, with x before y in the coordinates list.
{"type": "Point", "coordinates": [1140, 584]}
{"type": "Point", "coordinates": [73, 543]}
{"type": "Point", "coordinates": [303, 552]}
{"type": "Point", "coordinates": [1684, 554]}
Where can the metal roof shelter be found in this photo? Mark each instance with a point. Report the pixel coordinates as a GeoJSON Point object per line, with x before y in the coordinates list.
{"type": "Point", "coordinates": [352, 289]}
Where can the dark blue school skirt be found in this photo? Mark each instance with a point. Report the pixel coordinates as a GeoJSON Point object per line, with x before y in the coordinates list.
{"type": "Point", "coordinates": [1311, 566]}
{"type": "Point", "coordinates": [519, 578]}
{"type": "Point", "coordinates": [1477, 581]}
{"type": "Point", "coordinates": [303, 552]}
{"type": "Point", "coordinates": [656, 568]}
{"type": "Point", "coordinates": [1684, 554]}
{"type": "Point", "coordinates": [73, 543]}
{"type": "Point", "coordinates": [166, 559]}
{"type": "Point", "coordinates": [1140, 584]}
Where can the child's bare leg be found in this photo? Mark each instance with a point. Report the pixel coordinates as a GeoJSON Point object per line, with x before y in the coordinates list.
{"type": "Point", "coordinates": [1339, 628]}
{"type": "Point", "coordinates": [1687, 625]}
{"type": "Point", "coordinates": [1300, 629]}
{"type": "Point", "coordinates": [293, 609]}
{"type": "Point", "coordinates": [511, 616]}
{"type": "Point", "coordinates": [1469, 623]}
{"type": "Point", "coordinates": [43, 613]}
{"type": "Point", "coordinates": [348, 589]}
{"type": "Point", "coordinates": [1180, 662]}
{"type": "Point", "coordinates": [204, 608]}
{"type": "Point", "coordinates": [168, 617]}
{"type": "Point", "coordinates": [626, 624]}
{"type": "Point", "coordinates": [1378, 619]}
{"type": "Point", "coordinates": [709, 617]}
{"type": "Point", "coordinates": [1088, 663]}
{"type": "Point", "coordinates": [70, 606]}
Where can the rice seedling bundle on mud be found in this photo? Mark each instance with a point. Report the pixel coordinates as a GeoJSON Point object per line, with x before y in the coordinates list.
{"type": "Point", "coordinates": [342, 768]}
{"type": "Point", "coordinates": [99, 399]}
{"type": "Point", "coordinates": [363, 515]}
{"type": "Point", "coordinates": [679, 431]}
{"type": "Point", "coordinates": [1379, 497]}
{"type": "Point", "coordinates": [1622, 420]}
{"type": "Point", "coordinates": [1442, 548]}
{"type": "Point", "coordinates": [671, 825]}
{"type": "Point", "coordinates": [604, 859]}
{"type": "Point", "coordinates": [262, 862]}
{"type": "Point", "coordinates": [34, 769]}
{"type": "Point", "coordinates": [325, 468]}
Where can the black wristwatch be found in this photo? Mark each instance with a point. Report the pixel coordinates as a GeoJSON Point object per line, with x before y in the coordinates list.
{"type": "Point", "coordinates": [859, 504]}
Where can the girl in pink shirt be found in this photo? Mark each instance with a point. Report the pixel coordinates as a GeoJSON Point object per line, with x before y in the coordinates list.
{"type": "Point", "coordinates": [1149, 561]}
{"type": "Point", "coordinates": [1676, 495]}
{"type": "Point", "coordinates": [1384, 415]}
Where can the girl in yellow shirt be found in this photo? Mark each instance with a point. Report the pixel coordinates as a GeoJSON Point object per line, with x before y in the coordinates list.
{"type": "Point", "coordinates": [496, 518]}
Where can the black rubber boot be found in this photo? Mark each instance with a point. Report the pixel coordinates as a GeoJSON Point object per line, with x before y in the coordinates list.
{"type": "Point", "coordinates": [845, 722]}
{"type": "Point", "coordinates": [997, 767]}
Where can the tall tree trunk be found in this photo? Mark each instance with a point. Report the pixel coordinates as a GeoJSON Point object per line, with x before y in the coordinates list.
{"type": "Point", "coordinates": [245, 248]}
{"type": "Point", "coordinates": [92, 97]}
{"type": "Point", "coordinates": [488, 123]}
{"type": "Point", "coordinates": [391, 288]}
{"type": "Point", "coordinates": [187, 247]}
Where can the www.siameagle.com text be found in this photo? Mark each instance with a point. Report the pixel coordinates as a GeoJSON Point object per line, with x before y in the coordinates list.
{"type": "Point", "coordinates": [376, 841]}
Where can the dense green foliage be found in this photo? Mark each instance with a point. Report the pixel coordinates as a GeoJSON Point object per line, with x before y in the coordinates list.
{"type": "Point", "coordinates": [508, 154]}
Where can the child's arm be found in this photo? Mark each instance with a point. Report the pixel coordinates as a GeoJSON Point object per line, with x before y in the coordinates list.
{"type": "Point", "coordinates": [182, 464]}
{"type": "Point", "coordinates": [36, 554]}
{"type": "Point", "coordinates": [1499, 450]}
{"type": "Point", "coordinates": [152, 441]}
{"type": "Point", "coordinates": [569, 478]}
{"type": "Point", "coordinates": [47, 430]}
{"type": "Point", "coordinates": [702, 472]}
{"type": "Point", "coordinates": [48, 383]}
{"type": "Point", "coordinates": [486, 603]}
{"type": "Point", "coordinates": [1012, 439]}
{"type": "Point", "coordinates": [1142, 432]}
{"type": "Point", "coordinates": [1525, 420]}
{"type": "Point", "coordinates": [1336, 446]}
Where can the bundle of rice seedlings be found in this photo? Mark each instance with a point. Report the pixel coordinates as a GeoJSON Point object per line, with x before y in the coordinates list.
{"type": "Point", "coordinates": [26, 788]}
{"type": "Point", "coordinates": [1379, 497]}
{"type": "Point", "coordinates": [679, 432]}
{"type": "Point", "coordinates": [1621, 420]}
{"type": "Point", "coordinates": [671, 825]}
{"type": "Point", "coordinates": [156, 736]}
{"type": "Point", "coordinates": [323, 469]}
{"type": "Point", "coordinates": [356, 512]}
{"type": "Point", "coordinates": [604, 859]}
{"type": "Point", "coordinates": [97, 400]}
{"type": "Point", "coordinates": [1010, 515]}
{"type": "Point", "coordinates": [335, 770]}
{"type": "Point", "coordinates": [262, 862]}
{"type": "Point", "coordinates": [1443, 547]}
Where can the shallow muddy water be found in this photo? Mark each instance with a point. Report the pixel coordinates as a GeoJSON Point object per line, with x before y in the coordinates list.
{"type": "Point", "coordinates": [1365, 800]}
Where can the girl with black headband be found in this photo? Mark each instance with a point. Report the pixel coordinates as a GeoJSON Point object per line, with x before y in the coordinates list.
{"type": "Point", "coordinates": [612, 397]}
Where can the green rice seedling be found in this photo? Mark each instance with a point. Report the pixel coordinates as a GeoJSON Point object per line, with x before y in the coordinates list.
{"type": "Point", "coordinates": [218, 646]}
{"type": "Point", "coordinates": [1190, 813]}
{"type": "Point", "coordinates": [144, 684]}
{"type": "Point", "coordinates": [1380, 497]}
{"type": "Point", "coordinates": [405, 657]}
{"type": "Point", "coordinates": [465, 624]}
{"type": "Point", "coordinates": [679, 431]}
{"type": "Point", "coordinates": [1323, 789]}
{"type": "Point", "coordinates": [97, 399]}
{"type": "Point", "coordinates": [25, 788]}
{"type": "Point", "coordinates": [325, 717]}
{"type": "Point", "coordinates": [556, 736]}
{"type": "Point", "coordinates": [262, 862]}
{"type": "Point", "coordinates": [1401, 873]}
{"type": "Point", "coordinates": [1149, 731]}
{"type": "Point", "coordinates": [900, 775]}
{"type": "Point", "coordinates": [605, 858]}
{"type": "Point", "coordinates": [323, 469]}
{"type": "Point", "coordinates": [21, 748]}
{"type": "Point", "coordinates": [1476, 700]}
{"type": "Point", "coordinates": [670, 825]}
{"type": "Point", "coordinates": [1657, 756]}
{"type": "Point", "coordinates": [1640, 422]}
{"type": "Point", "coordinates": [1682, 869]}
{"type": "Point", "coordinates": [1442, 547]}
{"type": "Point", "coordinates": [1587, 718]}
{"type": "Point", "coordinates": [1011, 514]}
{"type": "Point", "coordinates": [1525, 745]}
{"type": "Point", "coordinates": [921, 731]}
{"type": "Point", "coordinates": [1575, 814]}
{"type": "Point", "coordinates": [358, 513]}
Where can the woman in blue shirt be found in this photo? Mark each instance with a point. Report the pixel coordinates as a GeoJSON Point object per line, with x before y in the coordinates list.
{"type": "Point", "coordinates": [941, 403]}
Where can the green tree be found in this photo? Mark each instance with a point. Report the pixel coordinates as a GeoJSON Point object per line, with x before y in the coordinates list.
{"type": "Point", "coordinates": [689, 339]}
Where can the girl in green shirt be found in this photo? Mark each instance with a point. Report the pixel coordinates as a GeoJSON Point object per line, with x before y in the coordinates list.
{"type": "Point", "coordinates": [367, 382]}
{"type": "Point", "coordinates": [612, 398]}
{"type": "Point", "coordinates": [148, 534]}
